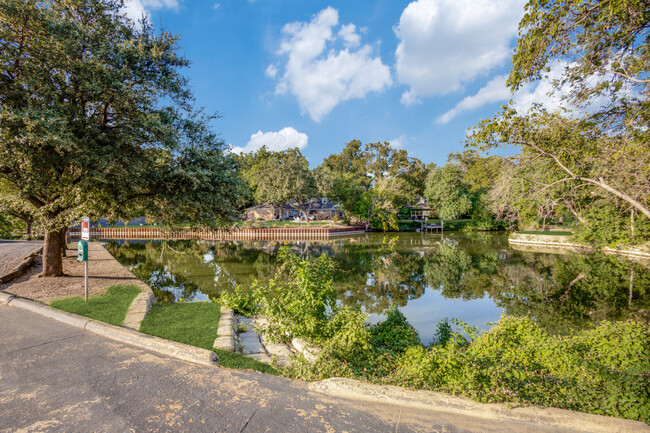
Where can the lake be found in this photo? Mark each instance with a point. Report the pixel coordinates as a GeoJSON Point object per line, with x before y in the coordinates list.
{"type": "Point", "coordinates": [474, 277]}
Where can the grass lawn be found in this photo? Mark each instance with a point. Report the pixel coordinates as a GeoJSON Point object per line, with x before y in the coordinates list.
{"type": "Point", "coordinates": [546, 233]}
{"type": "Point", "coordinates": [195, 323]}
{"type": "Point", "coordinates": [110, 308]}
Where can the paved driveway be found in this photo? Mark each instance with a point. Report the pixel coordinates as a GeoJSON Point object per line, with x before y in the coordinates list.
{"type": "Point", "coordinates": [56, 378]}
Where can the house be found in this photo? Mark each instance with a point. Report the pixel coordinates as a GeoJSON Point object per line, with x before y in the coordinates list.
{"type": "Point", "coordinates": [261, 212]}
{"type": "Point", "coordinates": [421, 210]}
{"type": "Point", "coordinates": [317, 209]}
{"type": "Point", "coordinates": [324, 209]}
{"type": "Point", "coordinates": [271, 212]}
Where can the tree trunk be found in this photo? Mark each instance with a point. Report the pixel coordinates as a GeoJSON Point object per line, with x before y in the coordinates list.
{"type": "Point", "coordinates": [629, 300]}
{"type": "Point", "coordinates": [632, 222]}
{"type": "Point", "coordinates": [28, 229]}
{"type": "Point", "coordinates": [64, 241]}
{"type": "Point", "coordinates": [52, 259]}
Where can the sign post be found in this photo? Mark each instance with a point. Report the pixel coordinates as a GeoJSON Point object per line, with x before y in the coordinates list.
{"type": "Point", "coordinates": [82, 249]}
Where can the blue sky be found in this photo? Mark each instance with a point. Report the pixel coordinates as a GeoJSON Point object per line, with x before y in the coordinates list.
{"type": "Point", "coordinates": [316, 75]}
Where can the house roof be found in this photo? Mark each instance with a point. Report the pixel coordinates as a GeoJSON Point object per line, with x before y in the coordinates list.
{"type": "Point", "coordinates": [421, 204]}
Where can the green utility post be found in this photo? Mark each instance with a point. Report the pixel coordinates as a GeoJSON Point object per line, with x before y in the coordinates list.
{"type": "Point", "coordinates": [82, 256]}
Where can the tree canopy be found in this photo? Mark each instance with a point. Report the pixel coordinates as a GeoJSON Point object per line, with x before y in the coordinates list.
{"type": "Point", "coordinates": [373, 181]}
{"type": "Point", "coordinates": [604, 46]}
{"type": "Point", "coordinates": [593, 155]}
{"type": "Point", "coordinates": [95, 114]}
{"type": "Point", "coordinates": [278, 177]}
{"type": "Point", "coordinates": [446, 191]}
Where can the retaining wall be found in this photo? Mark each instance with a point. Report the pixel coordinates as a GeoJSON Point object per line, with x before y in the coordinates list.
{"type": "Point", "coordinates": [545, 243]}
{"type": "Point", "coordinates": [231, 233]}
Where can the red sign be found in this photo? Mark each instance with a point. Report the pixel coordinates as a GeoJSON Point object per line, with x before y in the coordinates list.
{"type": "Point", "coordinates": [85, 228]}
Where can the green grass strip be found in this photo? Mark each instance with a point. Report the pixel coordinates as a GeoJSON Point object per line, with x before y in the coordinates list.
{"type": "Point", "coordinates": [110, 308]}
{"type": "Point", "coordinates": [237, 360]}
{"type": "Point", "coordinates": [196, 323]}
{"type": "Point", "coordinates": [193, 323]}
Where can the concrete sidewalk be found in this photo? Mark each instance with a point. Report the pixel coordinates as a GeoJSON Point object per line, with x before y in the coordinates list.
{"type": "Point", "coordinates": [55, 377]}
{"type": "Point", "coordinates": [13, 253]}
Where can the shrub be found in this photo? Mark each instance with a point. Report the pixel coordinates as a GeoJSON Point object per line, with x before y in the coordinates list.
{"type": "Point", "coordinates": [300, 300]}
{"type": "Point", "coordinates": [241, 302]}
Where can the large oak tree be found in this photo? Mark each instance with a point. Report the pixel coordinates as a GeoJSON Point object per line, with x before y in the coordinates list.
{"type": "Point", "coordinates": [96, 117]}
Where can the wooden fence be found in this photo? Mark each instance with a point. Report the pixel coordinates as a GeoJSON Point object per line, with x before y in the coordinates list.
{"type": "Point", "coordinates": [229, 233]}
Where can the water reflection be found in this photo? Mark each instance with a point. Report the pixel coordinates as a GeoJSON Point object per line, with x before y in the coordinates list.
{"type": "Point", "coordinates": [474, 277]}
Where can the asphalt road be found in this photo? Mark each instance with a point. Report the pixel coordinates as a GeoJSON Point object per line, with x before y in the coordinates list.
{"type": "Point", "coordinates": [12, 253]}
{"type": "Point", "coordinates": [56, 378]}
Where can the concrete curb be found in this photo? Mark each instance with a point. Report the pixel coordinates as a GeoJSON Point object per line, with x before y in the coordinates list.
{"type": "Point", "coordinates": [21, 268]}
{"type": "Point", "coordinates": [435, 401]}
{"type": "Point", "coordinates": [225, 332]}
{"type": "Point", "coordinates": [168, 348]}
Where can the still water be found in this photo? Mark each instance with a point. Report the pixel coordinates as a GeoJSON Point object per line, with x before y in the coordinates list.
{"type": "Point", "coordinates": [474, 277]}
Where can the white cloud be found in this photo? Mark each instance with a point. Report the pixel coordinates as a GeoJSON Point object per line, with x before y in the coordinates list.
{"type": "Point", "coordinates": [447, 43]}
{"type": "Point", "coordinates": [216, 6]}
{"type": "Point", "coordinates": [399, 142]}
{"type": "Point", "coordinates": [271, 71]}
{"type": "Point", "coordinates": [553, 99]}
{"type": "Point", "coordinates": [321, 81]}
{"type": "Point", "coordinates": [136, 9]}
{"type": "Point", "coordinates": [542, 92]}
{"type": "Point", "coordinates": [349, 34]}
{"type": "Point", "coordinates": [495, 90]}
{"type": "Point", "coordinates": [286, 138]}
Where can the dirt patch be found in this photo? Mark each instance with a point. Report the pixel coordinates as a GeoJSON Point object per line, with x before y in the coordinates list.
{"type": "Point", "coordinates": [103, 270]}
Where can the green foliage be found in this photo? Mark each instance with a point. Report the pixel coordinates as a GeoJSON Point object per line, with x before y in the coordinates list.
{"type": "Point", "coordinates": [7, 227]}
{"type": "Point", "coordinates": [602, 370]}
{"type": "Point", "coordinates": [607, 225]}
{"type": "Point", "coordinates": [444, 332]}
{"type": "Point", "coordinates": [594, 152]}
{"type": "Point", "coordinates": [242, 302]}
{"type": "Point", "coordinates": [97, 119]}
{"type": "Point", "coordinates": [394, 334]}
{"type": "Point", "coordinates": [372, 182]}
{"type": "Point", "coordinates": [110, 308]}
{"type": "Point", "coordinates": [300, 300]}
{"type": "Point", "coordinates": [546, 232]}
{"type": "Point", "coordinates": [605, 45]}
{"type": "Point", "coordinates": [446, 192]}
{"type": "Point", "coordinates": [278, 177]}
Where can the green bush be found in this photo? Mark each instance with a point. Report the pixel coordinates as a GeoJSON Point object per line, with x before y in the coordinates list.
{"type": "Point", "coordinates": [602, 371]}
{"type": "Point", "coordinates": [300, 300]}
{"type": "Point", "coordinates": [545, 232]}
{"type": "Point", "coordinates": [606, 225]}
{"type": "Point", "coordinates": [240, 301]}
{"type": "Point", "coordinates": [394, 334]}
{"type": "Point", "coordinates": [6, 227]}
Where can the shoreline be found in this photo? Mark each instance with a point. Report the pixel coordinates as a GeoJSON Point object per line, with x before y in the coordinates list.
{"type": "Point", "coordinates": [566, 244]}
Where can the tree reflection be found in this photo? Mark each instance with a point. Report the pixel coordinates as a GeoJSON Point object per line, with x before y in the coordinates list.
{"type": "Point", "coordinates": [562, 292]}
